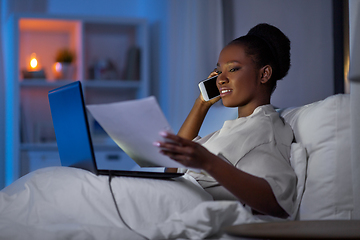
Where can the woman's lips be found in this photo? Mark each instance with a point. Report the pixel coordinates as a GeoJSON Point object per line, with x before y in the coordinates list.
{"type": "Point", "coordinates": [225, 91]}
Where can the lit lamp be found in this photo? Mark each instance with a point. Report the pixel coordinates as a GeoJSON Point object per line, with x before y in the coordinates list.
{"type": "Point", "coordinates": [33, 70]}
{"type": "Point", "coordinates": [33, 62]}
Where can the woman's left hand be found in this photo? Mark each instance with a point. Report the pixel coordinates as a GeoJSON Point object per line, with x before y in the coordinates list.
{"type": "Point", "coordinates": [186, 152]}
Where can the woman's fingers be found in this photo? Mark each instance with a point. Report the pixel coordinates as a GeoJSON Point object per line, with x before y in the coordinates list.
{"type": "Point", "coordinates": [177, 156]}
{"type": "Point", "coordinates": [186, 152]}
{"type": "Point", "coordinates": [175, 139]}
{"type": "Point", "coordinates": [172, 147]}
{"type": "Point", "coordinates": [213, 73]}
{"type": "Point", "coordinates": [177, 148]}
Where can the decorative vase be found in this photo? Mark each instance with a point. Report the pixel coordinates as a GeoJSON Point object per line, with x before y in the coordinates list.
{"type": "Point", "coordinates": [64, 71]}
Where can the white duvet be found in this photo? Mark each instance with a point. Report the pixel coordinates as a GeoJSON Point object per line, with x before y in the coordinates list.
{"type": "Point", "coordinates": [68, 203]}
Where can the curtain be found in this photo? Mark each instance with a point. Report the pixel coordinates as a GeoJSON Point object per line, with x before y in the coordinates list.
{"type": "Point", "coordinates": [194, 41]}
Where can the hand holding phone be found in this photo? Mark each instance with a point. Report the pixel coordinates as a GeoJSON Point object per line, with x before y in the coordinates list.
{"type": "Point", "coordinates": [209, 89]}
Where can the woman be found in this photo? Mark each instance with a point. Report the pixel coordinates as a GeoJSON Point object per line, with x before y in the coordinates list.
{"type": "Point", "coordinates": [248, 159]}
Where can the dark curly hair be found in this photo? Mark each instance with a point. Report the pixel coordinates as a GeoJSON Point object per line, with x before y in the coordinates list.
{"type": "Point", "coordinates": [267, 45]}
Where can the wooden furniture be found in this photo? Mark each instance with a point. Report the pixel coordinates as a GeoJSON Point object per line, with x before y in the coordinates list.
{"type": "Point", "coordinates": [321, 229]}
{"type": "Point", "coordinates": [98, 43]}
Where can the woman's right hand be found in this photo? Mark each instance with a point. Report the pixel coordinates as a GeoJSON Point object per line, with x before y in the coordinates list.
{"type": "Point", "coordinates": [191, 127]}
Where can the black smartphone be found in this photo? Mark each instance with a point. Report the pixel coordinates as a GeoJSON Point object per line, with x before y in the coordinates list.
{"type": "Point", "coordinates": [209, 89]}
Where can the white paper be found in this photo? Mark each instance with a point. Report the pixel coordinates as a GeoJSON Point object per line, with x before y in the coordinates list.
{"type": "Point", "coordinates": [134, 125]}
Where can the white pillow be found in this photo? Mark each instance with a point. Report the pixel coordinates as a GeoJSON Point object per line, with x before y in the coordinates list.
{"type": "Point", "coordinates": [323, 128]}
{"type": "Point", "coordinates": [298, 161]}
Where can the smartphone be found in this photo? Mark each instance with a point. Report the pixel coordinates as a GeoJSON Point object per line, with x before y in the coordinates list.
{"type": "Point", "coordinates": [209, 89]}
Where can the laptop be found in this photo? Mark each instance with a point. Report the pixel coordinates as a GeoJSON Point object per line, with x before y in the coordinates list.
{"type": "Point", "coordinates": [73, 136]}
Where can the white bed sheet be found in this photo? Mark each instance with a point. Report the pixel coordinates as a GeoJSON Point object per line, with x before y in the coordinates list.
{"type": "Point", "coordinates": [68, 203]}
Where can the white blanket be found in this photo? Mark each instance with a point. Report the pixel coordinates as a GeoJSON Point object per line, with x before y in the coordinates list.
{"type": "Point", "coordinates": [68, 203]}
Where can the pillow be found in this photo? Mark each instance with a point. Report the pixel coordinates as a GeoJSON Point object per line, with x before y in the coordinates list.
{"type": "Point", "coordinates": [298, 161]}
{"type": "Point", "coordinates": [323, 128]}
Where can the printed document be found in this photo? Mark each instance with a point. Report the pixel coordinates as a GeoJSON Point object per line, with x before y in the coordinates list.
{"type": "Point", "coordinates": [134, 125]}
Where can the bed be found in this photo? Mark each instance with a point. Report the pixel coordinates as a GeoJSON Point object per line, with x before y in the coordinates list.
{"type": "Point", "coordinates": [69, 203]}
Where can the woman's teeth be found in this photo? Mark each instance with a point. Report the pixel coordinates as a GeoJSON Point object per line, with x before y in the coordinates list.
{"type": "Point", "coordinates": [225, 91]}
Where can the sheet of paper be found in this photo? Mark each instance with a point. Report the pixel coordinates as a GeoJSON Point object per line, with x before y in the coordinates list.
{"type": "Point", "coordinates": [134, 125]}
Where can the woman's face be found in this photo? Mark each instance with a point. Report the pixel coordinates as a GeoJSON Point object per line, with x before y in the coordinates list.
{"type": "Point", "coordinates": [239, 79]}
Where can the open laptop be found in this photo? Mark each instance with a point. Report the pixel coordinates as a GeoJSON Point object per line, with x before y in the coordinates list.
{"type": "Point", "coordinates": [73, 137]}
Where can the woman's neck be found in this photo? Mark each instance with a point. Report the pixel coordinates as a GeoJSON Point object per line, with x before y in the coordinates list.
{"type": "Point", "coordinates": [248, 109]}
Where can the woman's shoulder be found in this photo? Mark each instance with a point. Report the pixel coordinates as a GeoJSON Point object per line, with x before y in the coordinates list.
{"type": "Point", "coordinates": [204, 139]}
{"type": "Point", "coordinates": [281, 130]}
{"type": "Point", "coordinates": [266, 121]}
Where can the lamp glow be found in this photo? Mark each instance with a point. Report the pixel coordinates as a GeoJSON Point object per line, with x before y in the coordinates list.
{"type": "Point", "coordinates": [33, 69]}
{"type": "Point", "coordinates": [33, 63]}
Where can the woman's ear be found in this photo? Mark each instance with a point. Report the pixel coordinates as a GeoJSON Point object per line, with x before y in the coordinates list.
{"type": "Point", "coordinates": [265, 73]}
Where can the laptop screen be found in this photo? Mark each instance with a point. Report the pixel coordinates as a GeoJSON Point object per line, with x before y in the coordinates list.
{"type": "Point", "coordinates": [71, 127]}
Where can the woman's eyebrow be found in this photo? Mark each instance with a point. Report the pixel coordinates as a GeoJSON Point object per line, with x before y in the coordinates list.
{"type": "Point", "coordinates": [234, 61]}
{"type": "Point", "coordinates": [230, 62]}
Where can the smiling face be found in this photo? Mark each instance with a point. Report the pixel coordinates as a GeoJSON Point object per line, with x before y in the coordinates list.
{"type": "Point", "coordinates": [241, 83]}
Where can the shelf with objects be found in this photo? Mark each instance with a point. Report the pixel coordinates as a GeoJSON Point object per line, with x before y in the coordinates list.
{"type": "Point", "coordinates": [108, 55]}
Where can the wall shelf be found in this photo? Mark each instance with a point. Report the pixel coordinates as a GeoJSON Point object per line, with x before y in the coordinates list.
{"type": "Point", "coordinates": [87, 84]}
{"type": "Point", "coordinates": [111, 61]}
{"type": "Point", "coordinates": [53, 147]}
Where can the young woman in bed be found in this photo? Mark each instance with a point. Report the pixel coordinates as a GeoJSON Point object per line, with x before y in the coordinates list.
{"type": "Point", "coordinates": [248, 158]}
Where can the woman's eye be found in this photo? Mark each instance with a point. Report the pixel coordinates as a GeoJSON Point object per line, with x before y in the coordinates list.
{"type": "Point", "coordinates": [233, 69]}
{"type": "Point", "coordinates": [218, 72]}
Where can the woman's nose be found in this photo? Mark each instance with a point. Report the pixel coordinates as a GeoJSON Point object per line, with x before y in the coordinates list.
{"type": "Point", "coordinates": [222, 79]}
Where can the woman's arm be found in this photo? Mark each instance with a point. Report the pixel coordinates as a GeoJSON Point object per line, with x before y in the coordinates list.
{"type": "Point", "coordinates": [192, 124]}
{"type": "Point", "coordinates": [250, 190]}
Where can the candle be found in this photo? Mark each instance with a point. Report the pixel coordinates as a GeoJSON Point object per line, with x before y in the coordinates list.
{"type": "Point", "coordinates": [34, 68]}
{"type": "Point", "coordinates": [34, 63]}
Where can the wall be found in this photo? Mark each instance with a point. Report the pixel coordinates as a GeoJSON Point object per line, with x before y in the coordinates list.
{"type": "Point", "coordinates": [94, 8]}
{"type": "Point", "coordinates": [308, 24]}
